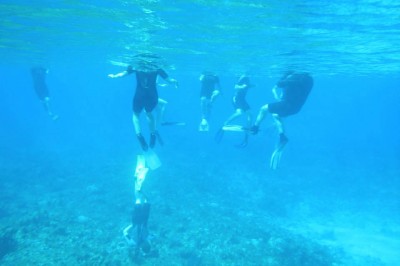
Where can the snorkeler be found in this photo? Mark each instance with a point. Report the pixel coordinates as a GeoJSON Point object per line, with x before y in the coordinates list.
{"type": "Point", "coordinates": [39, 84]}
{"type": "Point", "coordinates": [241, 107]}
{"type": "Point", "coordinates": [146, 96]}
{"type": "Point", "coordinates": [210, 89]}
{"type": "Point", "coordinates": [294, 90]}
{"type": "Point", "coordinates": [160, 111]}
{"type": "Point", "coordinates": [137, 234]}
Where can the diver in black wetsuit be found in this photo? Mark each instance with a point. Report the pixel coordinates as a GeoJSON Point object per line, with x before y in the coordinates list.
{"type": "Point", "coordinates": [137, 234]}
{"type": "Point", "coordinates": [210, 89]}
{"type": "Point", "coordinates": [40, 86]}
{"type": "Point", "coordinates": [241, 107]}
{"type": "Point", "coordinates": [146, 96]}
{"type": "Point", "coordinates": [295, 88]}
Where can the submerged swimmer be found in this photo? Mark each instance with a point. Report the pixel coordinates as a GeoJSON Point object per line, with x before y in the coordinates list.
{"type": "Point", "coordinates": [294, 90]}
{"type": "Point", "coordinates": [241, 108]}
{"type": "Point", "coordinates": [210, 89]}
{"type": "Point", "coordinates": [39, 84]}
{"type": "Point", "coordinates": [146, 97]}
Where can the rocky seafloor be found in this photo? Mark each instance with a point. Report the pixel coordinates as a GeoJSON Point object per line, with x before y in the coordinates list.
{"type": "Point", "coordinates": [70, 209]}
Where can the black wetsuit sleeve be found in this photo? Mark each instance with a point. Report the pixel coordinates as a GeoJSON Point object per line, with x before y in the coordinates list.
{"type": "Point", "coordinates": [162, 73]}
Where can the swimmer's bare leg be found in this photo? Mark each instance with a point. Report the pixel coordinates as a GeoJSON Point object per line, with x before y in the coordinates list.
{"type": "Point", "coordinates": [136, 123]}
{"type": "Point", "coordinates": [246, 132]}
{"type": "Point", "coordinates": [279, 123]}
{"type": "Point", "coordinates": [260, 117]}
{"type": "Point", "coordinates": [220, 133]}
{"type": "Point", "coordinates": [47, 107]}
{"type": "Point", "coordinates": [235, 115]}
{"type": "Point", "coordinates": [151, 122]}
{"type": "Point", "coordinates": [205, 113]}
{"type": "Point", "coordinates": [154, 135]}
{"type": "Point", "coordinates": [160, 111]}
{"type": "Point", "coordinates": [138, 131]}
{"type": "Point", "coordinates": [205, 105]}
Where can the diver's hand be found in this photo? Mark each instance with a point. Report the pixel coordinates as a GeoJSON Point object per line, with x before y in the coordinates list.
{"type": "Point", "coordinates": [175, 82]}
{"type": "Point", "coordinates": [254, 129]}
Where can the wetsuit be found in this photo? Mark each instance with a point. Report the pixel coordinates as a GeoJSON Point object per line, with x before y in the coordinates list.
{"type": "Point", "coordinates": [39, 82]}
{"type": "Point", "coordinates": [239, 100]}
{"type": "Point", "coordinates": [146, 95]}
{"type": "Point", "coordinates": [296, 87]}
{"type": "Point", "coordinates": [208, 83]}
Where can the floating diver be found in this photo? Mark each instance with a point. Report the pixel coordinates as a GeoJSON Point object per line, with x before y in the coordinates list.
{"type": "Point", "coordinates": [241, 108]}
{"type": "Point", "coordinates": [160, 111]}
{"type": "Point", "coordinates": [146, 95]}
{"type": "Point", "coordinates": [137, 234]}
{"type": "Point", "coordinates": [39, 84]}
{"type": "Point", "coordinates": [210, 89]}
{"type": "Point", "coordinates": [294, 90]}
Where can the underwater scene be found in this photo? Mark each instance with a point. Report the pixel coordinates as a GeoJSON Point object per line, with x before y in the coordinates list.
{"type": "Point", "coordinates": [200, 133]}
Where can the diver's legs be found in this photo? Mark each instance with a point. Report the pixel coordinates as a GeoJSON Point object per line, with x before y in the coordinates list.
{"type": "Point", "coordinates": [261, 115]}
{"type": "Point", "coordinates": [160, 111]}
{"type": "Point", "coordinates": [234, 116]}
{"type": "Point", "coordinates": [248, 118]}
{"type": "Point", "coordinates": [151, 121]}
{"type": "Point", "coordinates": [136, 125]}
{"type": "Point", "coordinates": [140, 218]}
{"type": "Point", "coordinates": [205, 108]}
{"type": "Point", "coordinates": [205, 113]}
{"type": "Point", "coordinates": [278, 123]}
{"type": "Point", "coordinates": [246, 132]}
{"type": "Point", "coordinates": [152, 128]}
{"type": "Point", "coordinates": [47, 107]}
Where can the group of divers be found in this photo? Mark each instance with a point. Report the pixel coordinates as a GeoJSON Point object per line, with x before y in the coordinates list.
{"type": "Point", "coordinates": [290, 93]}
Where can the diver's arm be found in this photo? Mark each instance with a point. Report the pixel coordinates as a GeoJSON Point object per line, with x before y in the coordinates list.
{"type": "Point", "coordinates": [241, 87]}
{"type": "Point", "coordinates": [119, 75]}
{"type": "Point", "coordinates": [172, 82]}
{"type": "Point", "coordinates": [160, 83]}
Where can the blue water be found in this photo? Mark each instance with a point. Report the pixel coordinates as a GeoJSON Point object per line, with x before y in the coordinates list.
{"type": "Point", "coordinates": [67, 186]}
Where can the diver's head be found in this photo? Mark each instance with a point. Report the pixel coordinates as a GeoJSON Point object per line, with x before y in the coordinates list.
{"type": "Point", "coordinates": [146, 66]}
{"type": "Point", "coordinates": [287, 73]}
{"type": "Point", "coordinates": [147, 61]}
{"type": "Point", "coordinates": [208, 73]}
{"type": "Point", "coordinates": [39, 70]}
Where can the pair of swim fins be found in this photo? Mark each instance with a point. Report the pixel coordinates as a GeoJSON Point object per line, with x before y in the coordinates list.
{"type": "Point", "coordinates": [148, 160]}
{"type": "Point", "coordinates": [153, 139]}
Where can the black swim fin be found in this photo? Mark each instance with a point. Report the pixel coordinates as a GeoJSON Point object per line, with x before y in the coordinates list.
{"type": "Point", "coordinates": [142, 142]}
